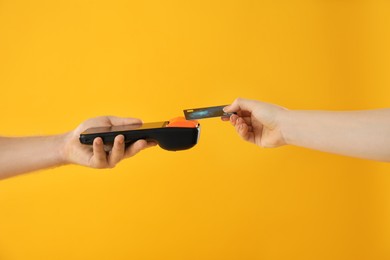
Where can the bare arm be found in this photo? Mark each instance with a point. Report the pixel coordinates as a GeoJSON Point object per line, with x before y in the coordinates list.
{"type": "Point", "coordinates": [19, 155]}
{"type": "Point", "coordinates": [25, 154]}
{"type": "Point", "coordinates": [362, 134]}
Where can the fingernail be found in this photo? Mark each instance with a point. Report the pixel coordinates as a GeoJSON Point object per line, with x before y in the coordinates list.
{"type": "Point", "coordinates": [225, 108]}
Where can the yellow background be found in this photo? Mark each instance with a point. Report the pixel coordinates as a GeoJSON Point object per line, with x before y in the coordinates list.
{"type": "Point", "coordinates": [62, 62]}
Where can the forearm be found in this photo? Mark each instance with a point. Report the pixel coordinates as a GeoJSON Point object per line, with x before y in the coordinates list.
{"type": "Point", "coordinates": [363, 134]}
{"type": "Point", "coordinates": [20, 155]}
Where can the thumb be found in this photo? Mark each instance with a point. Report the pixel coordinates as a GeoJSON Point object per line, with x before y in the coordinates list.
{"type": "Point", "coordinates": [123, 121]}
{"type": "Point", "coordinates": [240, 104]}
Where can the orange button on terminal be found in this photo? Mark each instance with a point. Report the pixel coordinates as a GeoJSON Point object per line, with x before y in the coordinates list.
{"type": "Point", "coordinates": [182, 122]}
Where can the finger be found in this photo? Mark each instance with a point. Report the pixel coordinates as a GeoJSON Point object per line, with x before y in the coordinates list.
{"type": "Point", "coordinates": [250, 128]}
{"type": "Point", "coordinates": [123, 120]}
{"type": "Point", "coordinates": [244, 113]}
{"type": "Point", "coordinates": [233, 119]}
{"type": "Point", "coordinates": [151, 144]}
{"type": "Point", "coordinates": [247, 119]}
{"type": "Point", "coordinates": [225, 118]}
{"type": "Point", "coordinates": [136, 148]}
{"type": "Point", "coordinates": [243, 131]}
{"type": "Point", "coordinates": [118, 151]}
{"type": "Point", "coordinates": [240, 104]}
{"type": "Point", "coordinates": [99, 158]}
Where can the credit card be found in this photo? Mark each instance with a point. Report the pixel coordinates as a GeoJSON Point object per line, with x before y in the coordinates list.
{"type": "Point", "coordinates": [205, 112]}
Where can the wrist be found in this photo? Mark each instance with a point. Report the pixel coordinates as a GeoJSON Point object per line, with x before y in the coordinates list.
{"type": "Point", "coordinates": [283, 123]}
{"type": "Point", "coordinates": [295, 125]}
{"type": "Point", "coordinates": [62, 144]}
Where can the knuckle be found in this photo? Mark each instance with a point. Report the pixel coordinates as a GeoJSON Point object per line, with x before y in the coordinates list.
{"type": "Point", "coordinates": [266, 144]}
{"type": "Point", "coordinates": [119, 148]}
{"type": "Point", "coordinates": [238, 100]}
{"type": "Point", "coordinates": [111, 165]}
{"type": "Point", "coordinates": [100, 164]}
